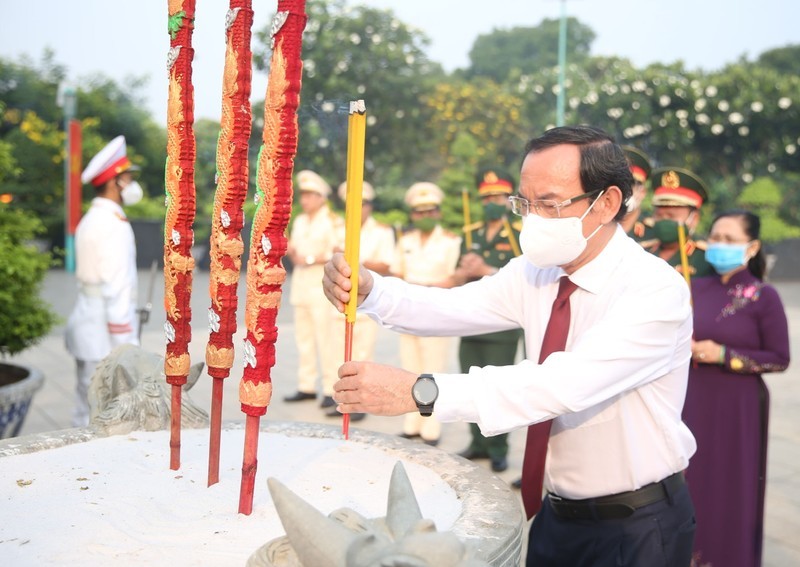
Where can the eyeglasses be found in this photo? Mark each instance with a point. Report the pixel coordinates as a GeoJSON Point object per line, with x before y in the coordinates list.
{"type": "Point", "coordinates": [545, 207]}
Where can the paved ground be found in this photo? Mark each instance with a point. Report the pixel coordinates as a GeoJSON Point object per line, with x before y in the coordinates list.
{"type": "Point", "coordinates": [52, 406]}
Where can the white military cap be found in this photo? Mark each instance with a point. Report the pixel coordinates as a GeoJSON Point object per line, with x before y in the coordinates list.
{"type": "Point", "coordinates": [307, 180]}
{"type": "Point", "coordinates": [367, 192]}
{"type": "Point", "coordinates": [108, 163]}
{"type": "Point", "coordinates": [424, 195]}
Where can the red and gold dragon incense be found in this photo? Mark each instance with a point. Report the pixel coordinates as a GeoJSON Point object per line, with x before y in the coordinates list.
{"type": "Point", "coordinates": [226, 223]}
{"type": "Point", "coordinates": [180, 189]}
{"type": "Point", "coordinates": [265, 273]}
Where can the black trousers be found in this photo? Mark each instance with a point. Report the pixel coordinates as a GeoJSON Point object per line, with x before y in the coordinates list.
{"type": "Point", "coordinates": [657, 535]}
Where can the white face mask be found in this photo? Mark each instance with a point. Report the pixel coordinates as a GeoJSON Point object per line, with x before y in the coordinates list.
{"type": "Point", "coordinates": [550, 242]}
{"type": "Point", "coordinates": [632, 204]}
{"type": "Point", "coordinates": [131, 194]}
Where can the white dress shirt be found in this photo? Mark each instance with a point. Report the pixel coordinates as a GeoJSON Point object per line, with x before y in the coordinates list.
{"type": "Point", "coordinates": [615, 395]}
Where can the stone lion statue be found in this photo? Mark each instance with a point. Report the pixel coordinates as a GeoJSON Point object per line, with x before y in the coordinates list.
{"type": "Point", "coordinates": [129, 392]}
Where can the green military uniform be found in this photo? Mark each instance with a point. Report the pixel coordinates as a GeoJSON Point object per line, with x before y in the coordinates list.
{"type": "Point", "coordinates": [492, 349]}
{"type": "Point", "coordinates": [675, 187]}
{"type": "Point", "coordinates": [695, 254]}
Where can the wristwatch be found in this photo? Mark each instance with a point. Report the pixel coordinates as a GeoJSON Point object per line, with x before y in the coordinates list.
{"type": "Point", "coordinates": [425, 391]}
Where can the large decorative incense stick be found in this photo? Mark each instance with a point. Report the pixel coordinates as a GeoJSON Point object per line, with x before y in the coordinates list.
{"type": "Point", "coordinates": [356, 134]}
{"type": "Point", "coordinates": [226, 223]}
{"type": "Point", "coordinates": [265, 273]}
{"type": "Point", "coordinates": [178, 235]}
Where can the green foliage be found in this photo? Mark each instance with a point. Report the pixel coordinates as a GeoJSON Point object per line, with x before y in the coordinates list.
{"type": "Point", "coordinates": [489, 113]}
{"type": "Point", "coordinates": [765, 197]}
{"type": "Point", "coordinates": [504, 53]}
{"type": "Point", "coordinates": [785, 60]}
{"type": "Point", "coordinates": [8, 165]}
{"type": "Point", "coordinates": [730, 125]}
{"type": "Point", "coordinates": [32, 124]}
{"type": "Point", "coordinates": [352, 53]}
{"type": "Point", "coordinates": [763, 193]}
{"type": "Point", "coordinates": [24, 317]}
{"type": "Point", "coordinates": [149, 208]}
{"type": "Point", "coordinates": [775, 229]}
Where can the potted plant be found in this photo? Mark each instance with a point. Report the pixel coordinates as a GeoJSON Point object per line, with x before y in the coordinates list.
{"type": "Point", "coordinates": [24, 317]}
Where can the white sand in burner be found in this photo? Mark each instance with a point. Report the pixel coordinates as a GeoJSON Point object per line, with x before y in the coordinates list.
{"type": "Point", "coordinates": [114, 501]}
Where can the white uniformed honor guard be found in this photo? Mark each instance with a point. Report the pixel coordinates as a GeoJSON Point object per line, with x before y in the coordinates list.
{"type": "Point", "coordinates": [104, 316]}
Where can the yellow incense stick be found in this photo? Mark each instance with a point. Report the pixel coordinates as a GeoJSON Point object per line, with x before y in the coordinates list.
{"type": "Point", "coordinates": [357, 128]}
{"type": "Point", "coordinates": [684, 258]}
{"type": "Point", "coordinates": [467, 220]}
{"type": "Point", "coordinates": [511, 239]}
{"type": "Point", "coordinates": [356, 135]}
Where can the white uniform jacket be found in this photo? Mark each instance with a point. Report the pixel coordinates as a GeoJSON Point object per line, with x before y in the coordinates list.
{"type": "Point", "coordinates": [105, 312]}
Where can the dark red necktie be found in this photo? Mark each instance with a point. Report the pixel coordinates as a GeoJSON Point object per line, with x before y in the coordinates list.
{"type": "Point", "coordinates": [555, 339]}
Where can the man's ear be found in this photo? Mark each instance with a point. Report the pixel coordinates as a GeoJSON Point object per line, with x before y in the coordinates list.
{"type": "Point", "coordinates": [610, 202]}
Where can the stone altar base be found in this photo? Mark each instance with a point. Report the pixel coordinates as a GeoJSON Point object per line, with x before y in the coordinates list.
{"type": "Point", "coordinates": [72, 497]}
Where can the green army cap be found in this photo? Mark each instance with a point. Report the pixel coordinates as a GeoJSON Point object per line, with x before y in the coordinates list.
{"type": "Point", "coordinates": [639, 163]}
{"type": "Point", "coordinates": [677, 187]}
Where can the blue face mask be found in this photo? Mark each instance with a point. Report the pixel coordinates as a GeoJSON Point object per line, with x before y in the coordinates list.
{"type": "Point", "coordinates": [726, 257]}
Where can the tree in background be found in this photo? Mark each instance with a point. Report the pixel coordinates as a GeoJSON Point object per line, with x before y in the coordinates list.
{"type": "Point", "coordinates": [505, 54]}
{"type": "Point", "coordinates": [765, 198]}
{"type": "Point", "coordinates": [731, 125]}
{"type": "Point", "coordinates": [490, 113]}
{"type": "Point", "coordinates": [32, 124]}
{"type": "Point", "coordinates": [362, 53]}
{"type": "Point", "coordinates": [785, 60]}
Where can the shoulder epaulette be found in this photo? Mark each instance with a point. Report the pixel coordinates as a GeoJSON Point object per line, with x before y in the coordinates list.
{"type": "Point", "coordinates": [650, 244]}
{"type": "Point", "coordinates": [701, 245]}
{"type": "Point", "coordinates": [638, 229]}
{"type": "Point", "coordinates": [473, 226]}
{"type": "Point", "coordinates": [649, 222]}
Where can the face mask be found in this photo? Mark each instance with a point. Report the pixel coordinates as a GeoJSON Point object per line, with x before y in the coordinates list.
{"type": "Point", "coordinates": [632, 204]}
{"type": "Point", "coordinates": [666, 230]}
{"type": "Point", "coordinates": [131, 194]}
{"type": "Point", "coordinates": [493, 211]}
{"type": "Point", "coordinates": [553, 242]}
{"type": "Point", "coordinates": [726, 257]}
{"type": "Point", "coordinates": [425, 224]}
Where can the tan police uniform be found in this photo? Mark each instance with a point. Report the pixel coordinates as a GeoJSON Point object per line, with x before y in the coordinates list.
{"type": "Point", "coordinates": [314, 238]}
{"type": "Point", "coordinates": [426, 263]}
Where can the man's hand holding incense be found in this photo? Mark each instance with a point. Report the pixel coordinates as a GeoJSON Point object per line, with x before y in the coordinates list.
{"type": "Point", "coordinates": [336, 282]}
{"type": "Point", "coordinates": [368, 387]}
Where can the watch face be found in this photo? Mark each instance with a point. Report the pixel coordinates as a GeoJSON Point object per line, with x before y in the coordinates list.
{"type": "Point", "coordinates": [425, 391]}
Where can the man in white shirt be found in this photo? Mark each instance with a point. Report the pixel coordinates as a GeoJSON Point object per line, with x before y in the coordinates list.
{"type": "Point", "coordinates": [104, 316]}
{"type": "Point", "coordinates": [617, 447]}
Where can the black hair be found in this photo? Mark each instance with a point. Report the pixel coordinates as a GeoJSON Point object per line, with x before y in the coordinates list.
{"type": "Point", "coordinates": [751, 223]}
{"type": "Point", "coordinates": [603, 161]}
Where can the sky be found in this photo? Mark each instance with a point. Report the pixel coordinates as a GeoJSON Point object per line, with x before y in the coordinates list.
{"type": "Point", "coordinates": [128, 38]}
